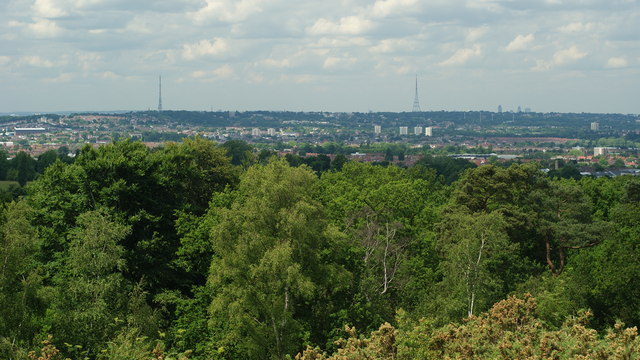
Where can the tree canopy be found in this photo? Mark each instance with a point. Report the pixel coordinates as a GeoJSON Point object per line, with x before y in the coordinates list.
{"type": "Point", "coordinates": [195, 250]}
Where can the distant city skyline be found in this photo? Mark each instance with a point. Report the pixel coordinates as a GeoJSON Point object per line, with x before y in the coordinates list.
{"type": "Point", "coordinates": [346, 55]}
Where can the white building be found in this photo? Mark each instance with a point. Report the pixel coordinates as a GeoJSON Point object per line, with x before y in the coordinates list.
{"type": "Point", "coordinates": [28, 131]}
{"type": "Point", "coordinates": [377, 129]}
{"type": "Point", "coordinates": [255, 132]}
{"type": "Point", "coordinates": [404, 130]}
{"type": "Point", "coordinates": [417, 130]}
{"type": "Point", "coordinates": [595, 126]}
{"type": "Point", "coordinates": [271, 132]}
{"type": "Point", "coordinates": [428, 131]}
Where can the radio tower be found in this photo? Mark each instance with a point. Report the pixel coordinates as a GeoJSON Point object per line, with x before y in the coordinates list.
{"type": "Point", "coordinates": [160, 93]}
{"type": "Point", "coordinates": [416, 102]}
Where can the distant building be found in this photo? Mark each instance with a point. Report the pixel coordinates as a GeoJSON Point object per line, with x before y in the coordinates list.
{"type": "Point", "coordinates": [500, 109]}
{"type": "Point", "coordinates": [28, 131]}
{"type": "Point", "coordinates": [404, 130]}
{"type": "Point", "coordinates": [271, 132]}
{"type": "Point", "coordinates": [417, 130]}
{"type": "Point", "coordinates": [255, 132]}
{"type": "Point", "coordinates": [519, 109]}
{"type": "Point", "coordinates": [597, 151]}
{"type": "Point", "coordinates": [595, 126]}
{"type": "Point", "coordinates": [377, 129]}
{"type": "Point", "coordinates": [428, 131]}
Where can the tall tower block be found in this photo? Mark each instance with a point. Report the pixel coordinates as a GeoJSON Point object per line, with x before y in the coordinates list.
{"type": "Point", "coordinates": [416, 102]}
{"type": "Point", "coordinates": [160, 93]}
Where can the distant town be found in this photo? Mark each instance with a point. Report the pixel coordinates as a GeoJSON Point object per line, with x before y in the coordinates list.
{"type": "Point", "coordinates": [594, 144]}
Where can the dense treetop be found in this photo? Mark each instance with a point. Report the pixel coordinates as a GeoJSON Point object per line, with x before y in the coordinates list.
{"type": "Point", "coordinates": [198, 251]}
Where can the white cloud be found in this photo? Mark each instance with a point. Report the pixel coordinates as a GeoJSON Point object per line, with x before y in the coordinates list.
{"type": "Point", "coordinates": [340, 42]}
{"type": "Point", "coordinates": [110, 75]}
{"type": "Point", "coordinates": [273, 63]}
{"type": "Point", "coordinates": [227, 10]}
{"type": "Point", "coordinates": [37, 61]}
{"type": "Point", "coordinates": [383, 8]}
{"type": "Point", "coordinates": [45, 28]}
{"type": "Point", "coordinates": [62, 78]}
{"type": "Point", "coordinates": [403, 70]}
{"type": "Point", "coordinates": [302, 79]}
{"type": "Point", "coordinates": [40, 28]}
{"type": "Point", "coordinates": [48, 9]}
{"type": "Point", "coordinates": [617, 62]}
{"type": "Point", "coordinates": [476, 33]}
{"type": "Point", "coordinates": [487, 5]}
{"type": "Point", "coordinates": [560, 58]}
{"type": "Point", "coordinates": [569, 55]}
{"type": "Point", "coordinates": [283, 42]}
{"type": "Point", "coordinates": [350, 25]}
{"type": "Point", "coordinates": [338, 62]}
{"type": "Point", "coordinates": [387, 46]}
{"type": "Point", "coordinates": [223, 71]}
{"type": "Point", "coordinates": [577, 27]}
{"type": "Point", "coordinates": [204, 47]}
{"type": "Point", "coordinates": [88, 60]}
{"type": "Point", "coordinates": [542, 65]}
{"type": "Point", "coordinates": [461, 56]}
{"type": "Point", "coordinates": [521, 42]}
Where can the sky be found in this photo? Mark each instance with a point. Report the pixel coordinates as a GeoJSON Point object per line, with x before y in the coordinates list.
{"type": "Point", "coordinates": [323, 55]}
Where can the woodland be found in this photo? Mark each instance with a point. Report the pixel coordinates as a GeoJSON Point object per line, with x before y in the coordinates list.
{"type": "Point", "coordinates": [194, 250]}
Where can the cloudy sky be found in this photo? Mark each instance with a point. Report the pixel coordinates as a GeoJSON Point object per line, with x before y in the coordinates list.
{"type": "Point", "coordinates": [332, 55]}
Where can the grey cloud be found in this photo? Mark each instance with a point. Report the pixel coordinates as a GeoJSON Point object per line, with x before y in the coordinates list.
{"type": "Point", "coordinates": [120, 43]}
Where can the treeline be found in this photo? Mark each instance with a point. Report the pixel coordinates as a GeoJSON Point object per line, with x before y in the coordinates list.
{"type": "Point", "coordinates": [199, 251]}
{"type": "Point", "coordinates": [558, 121]}
{"type": "Point", "coordinates": [23, 168]}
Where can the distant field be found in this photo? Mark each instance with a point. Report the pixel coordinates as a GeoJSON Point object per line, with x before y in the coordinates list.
{"type": "Point", "coordinates": [5, 184]}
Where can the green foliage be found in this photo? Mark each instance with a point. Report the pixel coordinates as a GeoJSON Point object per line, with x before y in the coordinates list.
{"type": "Point", "coordinates": [381, 345]}
{"type": "Point", "coordinates": [272, 263]}
{"type": "Point", "coordinates": [389, 215]}
{"type": "Point", "coordinates": [22, 168]}
{"type": "Point", "coordinates": [319, 164]}
{"type": "Point", "coordinates": [92, 291]}
{"type": "Point", "coordinates": [139, 188]}
{"type": "Point", "coordinates": [4, 164]}
{"type": "Point", "coordinates": [45, 160]}
{"type": "Point", "coordinates": [606, 276]}
{"type": "Point", "coordinates": [126, 345]}
{"type": "Point", "coordinates": [447, 167]}
{"type": "Point", "coordinates": [564, 221]}
{"type": "Point", "coordinates": [509, 330]}
{"type": "Point", "coordinates": [190, 330]}
{"type": "Point", "coordinates": [474, 248]}
{"type": "Point", "coordinates": [240, 152]}
{"type": "Point", "coordinates": [388, 155]}
{"type": "Point", "coordinates": [128, 252]}
{"type": "Point", "coordinates": [21, 306]}
{"type": "Point", "coordinates": [568, 171]}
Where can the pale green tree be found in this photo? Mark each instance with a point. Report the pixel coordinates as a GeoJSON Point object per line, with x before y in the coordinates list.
{"type": "Point", "coordinates": [473, 246]}
{"type": "Point", "coordinates": [20, 303]}
{"type": "Point", "coordinates": [272, 262]}
{"type": "Point", "coordinates": [92, 292]}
